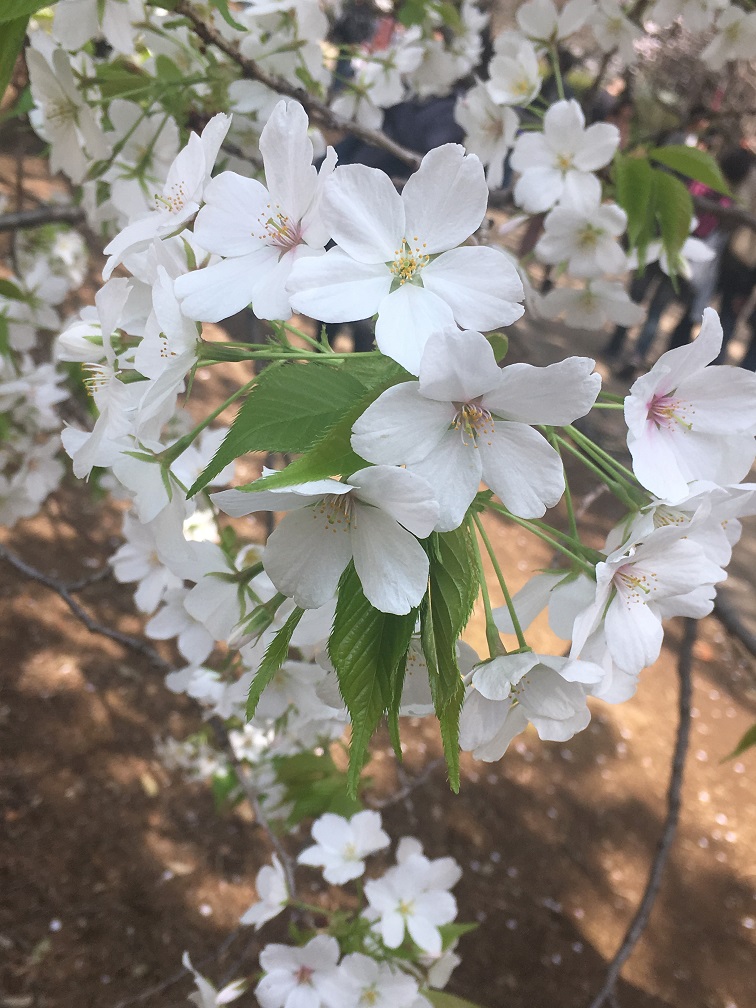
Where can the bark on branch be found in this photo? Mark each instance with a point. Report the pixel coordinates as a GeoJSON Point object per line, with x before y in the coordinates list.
{"type": "Point", "coordinates": [51, 213]}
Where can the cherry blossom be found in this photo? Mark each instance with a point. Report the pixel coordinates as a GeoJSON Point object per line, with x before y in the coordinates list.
{"type": "Point", "coordinates": [305, 977]}
{"type": "Point", "coordinates": [467, 419]}
{"type": "Point", "coordinates": [396, 256]}
{"type": "Point", "coordinates": [343, 844]}
{"type": "Point", "coordinates": [582, 232]}
{"type": "Point", "coordinates": [372, 518]}
{"type": "Point", "coordinates": [558, 162]}
{"type": "Point", "coordinates": [687, 421]}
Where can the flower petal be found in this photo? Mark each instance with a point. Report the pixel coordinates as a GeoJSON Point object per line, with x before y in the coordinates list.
{"type": "Point", "coordinates": [390, 563]}
{"type": "Point", "coordinates": [365, 213]}
{"type": "Point", "coordinates": [306, 555]}
{"type": "Point", "coordinates": [406, 318]}
{"type": "Point", "coordinates": [337, 288]}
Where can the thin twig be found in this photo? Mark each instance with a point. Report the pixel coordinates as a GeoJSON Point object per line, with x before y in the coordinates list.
{"type": "Point", "coordinates": [674, 792]}
{"type": "Point", "coordinates": [50, 213]}
{"type": "Point", "coordinates": [64, 591]}
{"type": "Point", "coordinates": [317, 110]}
{"type": "Point", "coordinates": [411, 785]}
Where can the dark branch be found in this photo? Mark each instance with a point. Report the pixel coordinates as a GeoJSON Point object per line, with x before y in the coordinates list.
{"type": "Point", "coordinates": [674, 793]}
{"type": "Point", "coordinates": [50, 213]}
{"type": "Point", "coordinates": [317, 110]}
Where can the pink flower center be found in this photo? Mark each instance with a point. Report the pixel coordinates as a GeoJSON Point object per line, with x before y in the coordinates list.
{"type": "Point", "coordinates": [667, 411]}
{"type": "Point", "coordinates": [303, 974]}
{"type": "Point", "coordinates": [278, 229]}
{"type": "Point", "coordinates": [474, 422]}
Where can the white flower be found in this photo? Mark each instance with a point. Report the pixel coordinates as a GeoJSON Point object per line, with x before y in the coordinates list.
{"type": "Point", "coordinates": [639, 584]}
{"type": "Point", "coordinates": [68, 123]}
{"type": "Point", "coordinates": [559, 161]}
{"type": "Point", "coordinates": [540, 20]}
{"type": "Point", "coordinates": [368, 518]}
{"type": "Point", "coordinates": [368, 984]}
{"type": "Point", "coordinates": [467, 419]}
{"type": "Point", "coordinates": [76, 22]}
{"type": "Point", "coordinates": [490, 130]}
{"type": "Point", "coordinates": [138, 560]}
{"type": "Point", "coordinates": [696, 15]}
{"type": "Point", "coordinates": [180, 199]}
{"type": "Point", "coordinates": [592, 306]}
{"type": "Point", "coordinates": [514, 72]}
{"type": "Point", "coordinates": [413, 896]}
{"type": "Point", "coordinates": [582, 231]}
{"type": "Point", "coordinates": [206, 996]}
{"type": "Point", "coordinates": [261, 232]}
{"type": "Point", "coordinates": [687, 421]}
{"type": "Point", "coordinates": [510, 691]}
{"type": "Point", "coordinates": [388, 259]}
{"type": "Point", "coordinates": [343, 844]}
{"type": "Point", "coordinates": [304, 977]}
{"type": "Point", "coordinates": [615, 31]}
{"type": "Point", "coordinates": [735, 38]}
{"type": "Point", "coordinates": [273, 892]}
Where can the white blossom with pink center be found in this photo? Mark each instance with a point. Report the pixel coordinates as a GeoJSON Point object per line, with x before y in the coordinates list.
{"type": "Point", "coordinates": [687, 421]}
{"type": "Point", "coordinates": [260, 232]}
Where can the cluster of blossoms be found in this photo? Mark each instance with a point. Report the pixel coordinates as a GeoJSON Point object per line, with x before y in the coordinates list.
{"type": "Point", "coordinates": [367, 582]}
{"type": "Point", "coordinates": [401, 939]}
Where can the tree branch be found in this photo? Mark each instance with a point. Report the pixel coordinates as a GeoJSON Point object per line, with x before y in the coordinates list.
{"type": "Point", "coordinates": [317, 110]}
{"type": "Point", "coordinates": [49, 213]}
{"type": "Point", "coordinates": [674, 793]}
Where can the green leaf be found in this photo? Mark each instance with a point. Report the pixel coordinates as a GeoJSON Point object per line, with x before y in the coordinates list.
{"type": "Point", "coordinates": [314, 784]}
{"type": "Point", "coordinates": [13, 10]}
{"type": "Point", "coordinates": [331, 456]}
{"type": "Point", "coordinates": [275, 655]}
{"type": "Point", "coordinates": [499, 344]}
{"type": "Point", "coordinates": [451, 932]}
{"type": "Point", "coordinates": [222, 7]}
{"type": "Point", "coordinates": [693, 163]}
{"type": "Point", "coordinates": [674, 211]}
{"type": "Point", "coordinates": [10, 290]}
{"type": "Point", "coordinates": [167, 71]}
{"type": "Point", "coordinates": [117, 80]}
{"type": "Point", "coordinates": [12, 36]}
{"type": "Point", "coordinates": [442, 999]}
{"type": "Point", "coordinates": [444, 613]}
{"type": "Point", "coordinates": [368, 649]}
{"type": "Point", "coordinates": [747, 742]}
{"type": "Point", "coordinates": [634, 183]}
{"type": "Point", "coordinates": [293, 404]}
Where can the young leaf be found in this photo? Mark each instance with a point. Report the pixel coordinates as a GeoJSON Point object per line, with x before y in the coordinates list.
{"type": "Point", "coordinates": [452, 590]}
{"type": "Point", "coordinates": [10, 290]}
{"type": "Point", "coordinates": [288, 410]}
{"type": "Point", "coordinates": [274, 657]}
{"type": "Point", "coordinates": [747, 742]}
{"type": "Point", "coordinates": [693, 163]}
{"type": "Point", "coordinates": [12, 36]}
{"type": "Point", "coordinates": [368, 649]}
{"type": "Point", "coordinates": [442, 999]}
{"type": "Point", "coordinates": [633, 179]}
{"type": "Point", "coordinates": [674, 210]}
{"type": "Point", "coordinates": [331, 455]}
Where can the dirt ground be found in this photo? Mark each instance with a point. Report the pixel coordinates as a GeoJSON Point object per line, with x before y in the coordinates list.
{"type": "Point", "coordinates": [110, 867]}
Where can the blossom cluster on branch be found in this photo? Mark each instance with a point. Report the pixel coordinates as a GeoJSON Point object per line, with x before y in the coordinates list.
{"type": "Point", "coordinates": [354, 608]}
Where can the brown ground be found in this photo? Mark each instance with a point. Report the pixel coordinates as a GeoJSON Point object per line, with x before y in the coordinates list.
{"type": "Point", "coordinates": [110, 867]}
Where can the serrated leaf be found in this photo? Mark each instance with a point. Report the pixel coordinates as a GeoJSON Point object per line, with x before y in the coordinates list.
{"type": "Point", "coordinates": [446, 609]}
{"type": "Point", "coordinates": [12, 37]}
{"type": "Point", "coordinates": [275, 655]}
{"type": "Point", "coordinates": [747, 742]}
{"type": "Point", "coordinates": [368, 649]}
{"type": "Point", "coordinates": [693, 163]}
{"type": "Point", "coordinates": [674, 211]}
{"type": "Point", "coordinates": [314, 784]}
{"type": "Point", "coordinates": [331, 456]}
{"type": "Point", "coordinates": [291, 406]}
{"type": "Point", "coordinates": [634, 183]}
{"type": "Point", "coordinates": [13, 10]}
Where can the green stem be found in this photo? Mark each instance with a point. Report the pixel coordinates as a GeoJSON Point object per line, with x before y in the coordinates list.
{"type": "Point", "coordinates": [532, 527]}
{"type": "Point", "coordinates": [608, 405]}
{"type": "Point", "coordinates": [585, 442]}
{"type": "Point", "coordinates": [171, 454]}
{"type": "Point", "coordinates": [216, 353]}
{"type": "Point", "coordinates": [502, 583]}
{"type": "Point", "coordinates": [492, 633]}
{"type": "Point", "coordinates": [609, 479]}
{"type": "Point", "coordinates": [557, 72]}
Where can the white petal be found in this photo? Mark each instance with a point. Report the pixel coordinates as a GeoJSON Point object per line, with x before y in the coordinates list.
{"type": "Point", "coordinates": [287, 155]}
{"type": "Point", "coordinates": [457, 366]}
{"type": "Point", "coordinates": [557, 394]}
{"type": "Point", "coordinates": [480, 285]}
{"type": "Point", "coordinates": [453, 469]}
{"type": "Point", "coordinates": [522, 469]}
{"type": "Point", "coordinates": [305, 557]}
{"type": "Point", "coordinates": [401, 426]}
{"type": "Point", "coordinates": [405, 496]}
{"type": "Point", "coordinates": [406, 318]}
{"type": "Point", "coordinates": [230, 218]}
{"type": "Point", "coordinates": [446, 199]}
{"type": "Point", "coordinates": [220, 291]}
{"type": "Point", "coordinates": [365, 213]}
{"type": "Point", "coordinates": [337, 288]}
{"type": "Point", "coordinates": [390, 563]}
